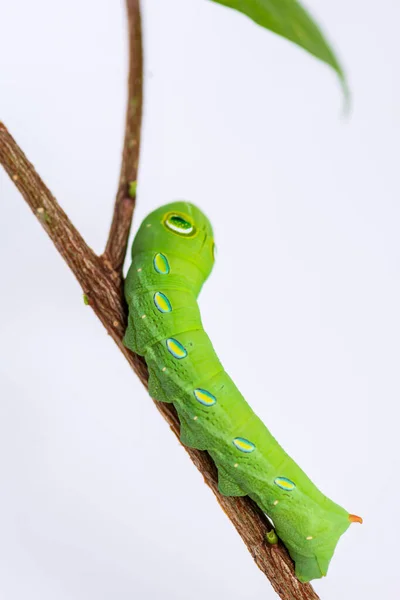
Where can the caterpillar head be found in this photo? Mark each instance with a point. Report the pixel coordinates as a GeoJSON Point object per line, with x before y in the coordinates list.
{"type": "Point", "coordinates": [179, 229]}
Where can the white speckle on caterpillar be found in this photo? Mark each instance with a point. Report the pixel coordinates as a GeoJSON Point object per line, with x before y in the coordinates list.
{"type": "Point", "coordinates": [236, 465]}
{"type": "Point", "coordinates": [276, 502]}
{"type": "Point", "coordinates": [310, 537]}
{"type": "Point", "coordinates": [164, 369]}
{"type": "Point", "coordinates": [139, 270]}
{"type": "Point", "coordinates": [143, 316]}
{"type": "Point", "coordinates": [195, 418]}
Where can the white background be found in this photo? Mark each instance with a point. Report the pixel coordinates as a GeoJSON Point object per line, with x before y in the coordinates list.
{"type": "Point", "coordinates": [98, 500]}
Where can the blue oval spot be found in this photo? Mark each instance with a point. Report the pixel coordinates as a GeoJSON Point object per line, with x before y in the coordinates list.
{"type": "Point", "coordinates": [285, 484]}
{"type": "Point", "coordinates": [161, 264]}
{"type": "Point", "coordinates": [162, 303]}
{"type": "Point", "coordinates": [244, 445]}
{"type": "Point", "coordinates": [204, 397]}
{"type": "Point", "coordinates": [176, 348]}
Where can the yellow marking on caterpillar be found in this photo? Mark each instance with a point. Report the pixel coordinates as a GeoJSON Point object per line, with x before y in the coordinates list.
{"type": "Point", "coordinates": [285, 484]}
{"type": "Point", "coordinates": [161, 302]}
{"type": "Point", "coordinates": [176, 348]}
{"type": "Point", "coordinates": [244, 445]}
{"type": "Point", "coordinates": [161, 264]}
{"type": "Point", "coordinates": [204, 397]}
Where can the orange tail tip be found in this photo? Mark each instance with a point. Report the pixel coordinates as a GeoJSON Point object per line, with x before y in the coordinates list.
{"type": "Point", "coordinates": [355, 519]}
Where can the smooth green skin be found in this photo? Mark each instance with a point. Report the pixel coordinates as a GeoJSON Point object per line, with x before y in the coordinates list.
{"type": "Point", "coordinates": [296, 514]}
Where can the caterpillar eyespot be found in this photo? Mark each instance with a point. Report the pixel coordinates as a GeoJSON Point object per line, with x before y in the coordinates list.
{"type": "Point", "coordinates": [179, 224]}
{"type": "Point", "coordinates": [250, 461]}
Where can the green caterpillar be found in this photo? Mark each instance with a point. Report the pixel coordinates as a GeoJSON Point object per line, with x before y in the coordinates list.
{"type": "Point", "coordinates": [172, 256]}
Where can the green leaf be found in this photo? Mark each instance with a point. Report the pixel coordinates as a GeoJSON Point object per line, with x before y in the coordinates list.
{"type": "Point", "coordinates": [290, 20]}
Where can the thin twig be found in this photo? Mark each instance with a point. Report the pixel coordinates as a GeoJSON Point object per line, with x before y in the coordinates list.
{"type": "Point", "coordinates": [100, 278]}
{"type": "Point", "coordinates": [126, 195]}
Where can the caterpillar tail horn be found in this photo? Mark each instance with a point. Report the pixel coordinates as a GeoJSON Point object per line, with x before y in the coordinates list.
{"type": "Point", "coordinates": [355, 519]}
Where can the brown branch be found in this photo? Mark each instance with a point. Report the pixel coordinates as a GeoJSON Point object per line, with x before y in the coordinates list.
{"type": "Point", "coordinates": [126, 195]}
{"type": "Point", "coordinates": [100, 278]}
